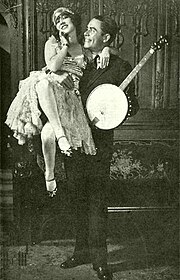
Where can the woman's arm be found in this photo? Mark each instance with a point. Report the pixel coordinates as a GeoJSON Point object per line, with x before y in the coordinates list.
{"type": "Point", "coordinates": [105, 56]}
{"type": "Point", "coordinates": [54, 55]}
{"type": "Point", "coordinates": [114, 51]}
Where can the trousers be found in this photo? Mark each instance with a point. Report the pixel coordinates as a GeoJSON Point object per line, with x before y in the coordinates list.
{"type": "Point", "coordinates": [89, 177]}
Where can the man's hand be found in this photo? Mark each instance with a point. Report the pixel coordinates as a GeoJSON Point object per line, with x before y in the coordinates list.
{"type": "Point", "coordinates": [64, 79]}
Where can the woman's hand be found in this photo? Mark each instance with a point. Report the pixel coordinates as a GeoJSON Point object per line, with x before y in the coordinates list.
{"type": "Point", "coordinates": [103, 60]}
{"type": "Point", "coordinates": [64, 39]}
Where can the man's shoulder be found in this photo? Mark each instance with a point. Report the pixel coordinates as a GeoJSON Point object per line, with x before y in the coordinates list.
{"type": "Point", "coordinates": [117, 59]}
{"type": "Point", "coordinates": [116, 62]}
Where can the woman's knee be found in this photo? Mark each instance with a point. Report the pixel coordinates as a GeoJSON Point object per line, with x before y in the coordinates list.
{"type": "Point", "coordinates": [47, 133]}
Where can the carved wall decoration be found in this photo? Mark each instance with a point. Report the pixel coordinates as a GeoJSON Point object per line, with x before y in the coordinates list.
{"type": "Point", "coordinates": [133, 18]}
{"type": "Point", "coordinates": [11, 7]}
{"type": "Point", "coordinates": [167, 22]}
{"type": "Point", "coordinates": [159, 90]}
{"type": "Point", "coordinates": [97, 7]}
{"type": "Point", "coordinates": [140, 24]}
{"type": "Point", "coordinates": [45, 8]}
{"type": "Point", "coordinates": [174, 10]}
{"type": "Point", "coordinates": [138, 11]}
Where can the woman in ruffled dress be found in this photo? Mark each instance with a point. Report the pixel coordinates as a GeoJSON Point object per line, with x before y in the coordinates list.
{"type": "Point", "coordinates": [67, 123]}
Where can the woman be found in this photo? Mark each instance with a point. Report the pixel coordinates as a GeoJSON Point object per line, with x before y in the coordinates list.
{"type": "Point", "coordinates": [67, 123]}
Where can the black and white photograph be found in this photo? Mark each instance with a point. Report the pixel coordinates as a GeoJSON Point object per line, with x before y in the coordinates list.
{"type": "Point", "coordinates": [89, 170]}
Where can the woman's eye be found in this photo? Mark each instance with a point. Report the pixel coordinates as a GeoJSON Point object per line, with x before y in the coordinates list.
{"type": "Point", "coordinates": [57, 19]}
{"type": "Point", "coordinates": [61, 18]}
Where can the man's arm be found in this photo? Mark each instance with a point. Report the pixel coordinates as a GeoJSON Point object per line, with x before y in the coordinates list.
{"type": "Point", "coordinates": [64, 79]}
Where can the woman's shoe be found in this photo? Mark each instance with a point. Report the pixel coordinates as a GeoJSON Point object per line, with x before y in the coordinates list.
{"type": "Point", "coordinates": [64, 145]}
{"type": "Point", "coordinates": [51, 187]}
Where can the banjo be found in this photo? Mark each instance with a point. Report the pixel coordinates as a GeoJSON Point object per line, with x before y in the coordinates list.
{"type": "Point", "coordinates": [107, 105]}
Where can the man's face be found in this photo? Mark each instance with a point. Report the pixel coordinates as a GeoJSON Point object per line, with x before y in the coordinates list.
{"type": "Point", "coordinates": [93, 36]}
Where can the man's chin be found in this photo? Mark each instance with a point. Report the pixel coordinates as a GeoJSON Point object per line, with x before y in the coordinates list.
{"type": "Point", "coordinates": [86, 45]}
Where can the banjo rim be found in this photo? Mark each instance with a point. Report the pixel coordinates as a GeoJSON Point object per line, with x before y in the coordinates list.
{"type": "Point", "coordinates": [114, 90]}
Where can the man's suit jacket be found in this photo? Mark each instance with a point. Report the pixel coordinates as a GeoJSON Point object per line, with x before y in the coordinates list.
{"type": "Point", "coordinates": [117, 70]}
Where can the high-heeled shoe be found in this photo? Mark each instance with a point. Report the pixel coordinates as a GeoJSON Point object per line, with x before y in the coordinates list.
{"type": "Point", "coordinates": [64, 145]}
{"type": "Point", "coordinates": [49, 184]}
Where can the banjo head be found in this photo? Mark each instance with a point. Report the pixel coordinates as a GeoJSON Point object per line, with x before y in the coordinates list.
{"type": "Point", "coordinates": [107, 106]}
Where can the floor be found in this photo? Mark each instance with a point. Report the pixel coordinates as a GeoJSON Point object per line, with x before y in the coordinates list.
{"type": "Point", "coordinates": [141, 246]}
{"type": "Point", "coordinates": [42, 261]}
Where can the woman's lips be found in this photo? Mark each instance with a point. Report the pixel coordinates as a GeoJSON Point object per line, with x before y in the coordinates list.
{"type": "Point", "coordinates": [64, 26]}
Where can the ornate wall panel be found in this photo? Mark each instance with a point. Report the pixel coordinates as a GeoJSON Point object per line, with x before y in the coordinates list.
{"type": "Point", "coordinates": [140, 24]}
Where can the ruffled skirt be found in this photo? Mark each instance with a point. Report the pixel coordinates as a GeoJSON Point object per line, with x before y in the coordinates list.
{"type": "Point", "coordinates": [24, 116]}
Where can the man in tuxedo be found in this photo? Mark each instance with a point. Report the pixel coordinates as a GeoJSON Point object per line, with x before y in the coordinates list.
{"type": "Point", "coordinates": [90, 173]}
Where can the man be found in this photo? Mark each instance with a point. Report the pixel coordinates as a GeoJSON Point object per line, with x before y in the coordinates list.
{"type": "Point", "coordinates": [90, 173]}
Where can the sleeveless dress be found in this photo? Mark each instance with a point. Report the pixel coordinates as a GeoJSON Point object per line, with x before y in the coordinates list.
{"type": "Point", "coordinates": [24, 116]}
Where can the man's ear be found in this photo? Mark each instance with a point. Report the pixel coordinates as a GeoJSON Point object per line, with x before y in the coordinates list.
{"type": "Point", "coordinates": [106, 38]}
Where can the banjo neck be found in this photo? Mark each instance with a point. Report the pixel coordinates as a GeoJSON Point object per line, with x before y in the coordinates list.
{"type": "Point", "coordinates": [156, 46]}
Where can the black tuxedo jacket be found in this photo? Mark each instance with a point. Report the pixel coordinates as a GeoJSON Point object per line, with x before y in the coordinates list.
{"type": "Point", "coordinates": [117, 70]}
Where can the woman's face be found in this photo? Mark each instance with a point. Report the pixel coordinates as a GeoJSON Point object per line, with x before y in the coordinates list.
{"type": "Point", "coordinates": [64, 23]}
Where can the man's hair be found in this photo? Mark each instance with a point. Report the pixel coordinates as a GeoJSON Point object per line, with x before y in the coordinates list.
{"type": "Point", "coordinates": [108, 26]}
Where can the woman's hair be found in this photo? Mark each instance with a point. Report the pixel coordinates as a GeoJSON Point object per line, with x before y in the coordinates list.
{"type": "Point", "coordinates": [75, 18]}
{"type": "Point", "coordinates": [108, 26]}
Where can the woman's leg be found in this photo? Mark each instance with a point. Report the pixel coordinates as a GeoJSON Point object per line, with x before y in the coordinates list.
{"type": "Point", "coordinates": [49, 151]}
{"type": "Point", "coordinates": [48, 104]}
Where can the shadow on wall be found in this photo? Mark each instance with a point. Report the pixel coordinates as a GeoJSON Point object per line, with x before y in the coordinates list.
{"type": "Point", "coordinates": [5, 84]}
{"type": "Point", "coordinates": [4, 35]}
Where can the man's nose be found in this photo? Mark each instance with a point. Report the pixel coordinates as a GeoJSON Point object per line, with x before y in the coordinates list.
{"type": "Point", "coordinates": [86, 33]}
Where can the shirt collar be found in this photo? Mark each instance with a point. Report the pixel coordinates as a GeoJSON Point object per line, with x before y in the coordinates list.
{"type": "Point", "coordinates": [93, 62]}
